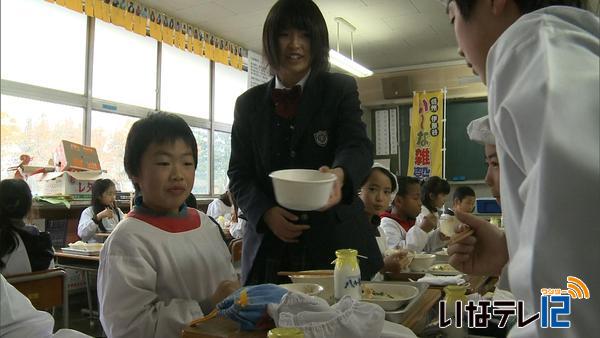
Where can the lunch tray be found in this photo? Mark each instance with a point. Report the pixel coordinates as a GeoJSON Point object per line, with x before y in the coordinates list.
{"type": "Point", "coordinates": [397, 316]}
{"type": "Point", "coordinates": [81, 252]}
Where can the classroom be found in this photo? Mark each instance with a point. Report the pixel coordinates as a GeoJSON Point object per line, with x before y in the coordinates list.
{"type": "Point", "coordinates": [299, 168]}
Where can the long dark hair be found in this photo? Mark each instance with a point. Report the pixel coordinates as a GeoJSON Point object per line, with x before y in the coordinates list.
{"type": "Point", "coordinates": [98, 188]}
{"type": "Point", "coordinates": [15, 203]}
{"type": "Point", "coordinates": [434, 185]}
{"type": "Point", "coordinates": [298, 14]}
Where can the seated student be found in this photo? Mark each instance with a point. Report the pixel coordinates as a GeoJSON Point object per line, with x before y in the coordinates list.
{"type": "Point", "coordinates": [225, 206]}
{"type": "Point", "coordinates": [376, 192]}
{"type": "Point", "coordinates": [23, 248]}
{"type": "Point", "coordinates": [165, 264]}
{"type": "Point", "coordinates": [427, 237]}
{"type": "Point", "coordinates": [220, 206]}
{"type": "Point", "coordinates": [463, 199]}
{"type": "Point", "coordinates": [238, 221]}
{"type": "Point", "coordinates": [103, 215]}
{"type": "Point", "coordinates": [406, 206]}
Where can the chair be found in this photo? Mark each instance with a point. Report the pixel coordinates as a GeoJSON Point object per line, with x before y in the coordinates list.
{"type": "Point", "coordinates": [45, 289]}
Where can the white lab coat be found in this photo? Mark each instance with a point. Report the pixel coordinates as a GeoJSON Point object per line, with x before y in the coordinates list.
{"type": "Point", "coordinates": [395, 234]}
{"type": "Point", "coordinates": [545, 114]}
{"type": "Point", "coordinates": [17, 261]}
{"type": "Point", "coordinates": [151, 281]}
{"type": "Point", "coordinates": [217, 208]}
{"type": "Point", "coordinates": [87, 228]}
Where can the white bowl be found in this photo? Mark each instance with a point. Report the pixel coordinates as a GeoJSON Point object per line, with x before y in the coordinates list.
{"type": "Point", "coordinates": [325, 280]}
{"type": "Point", "coordinates": [389, 296]}
{"type": "Point", "coordinates": [421, 262]}
{"type": "Point", "coordinates": [310, 289]}
{"type": "Point", "coordinates": [302, 189]}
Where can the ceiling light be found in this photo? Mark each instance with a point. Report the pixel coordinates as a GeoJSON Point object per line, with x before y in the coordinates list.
{"type": "Point", "coordinates": [343, 62]}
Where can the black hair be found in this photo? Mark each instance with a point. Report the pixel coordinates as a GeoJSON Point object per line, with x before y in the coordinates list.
{"type": "Point", "coordinates": [525, 6]}
{"type": "Point", "coordinates": [461, 192]}
{"type": "Point", "coordinates": [385, 172]}
{"type": "Point", "coordinates": [434, 185]}
{"type": "Point", "coordinates": [404, 182]}
{"type": "Point", "coordinates": [98, 188]}
{"type": "Point", "coordinates": [191, 201]}
{"type": "Point", "coordinates": [156, 128]}
{"type": "Point", "coordinates": [15, 203]}
{"type": "Point", "coordinates": [302, 15]}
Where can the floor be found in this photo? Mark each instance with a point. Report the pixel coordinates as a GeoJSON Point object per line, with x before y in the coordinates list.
{"type": "Point", "coordinates": [78, 320]}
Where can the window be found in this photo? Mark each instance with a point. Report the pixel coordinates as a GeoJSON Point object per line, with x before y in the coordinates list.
{"type": "Point", "coordinates": [124, 66]}
{"type": "Point", "coordinates": [222, 146]}
{"type": "Point", "coordinates": [109, 134]}
{"type": "Point", "coordinates": [229, 84]}
{"type": "Point", "coordinates": [35, 128]}
{"type": "Point", "coordinates": [184, 82]}
{"type": "Point", "coordinates": [43, 44]}
{"type": "Point", "coordinates": [201, 185]}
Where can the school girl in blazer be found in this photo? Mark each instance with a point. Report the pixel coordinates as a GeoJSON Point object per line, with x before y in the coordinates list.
{"type": "Point", "coordinates": [324, 129]}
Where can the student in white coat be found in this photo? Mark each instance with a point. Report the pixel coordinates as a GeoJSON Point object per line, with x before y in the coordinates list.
{"type": "Point", "coordinates": [542, 69]}
{"type": "Point", "coordinates": [165, 264]}
{"type": "Point", "coordinates": [427, 236]}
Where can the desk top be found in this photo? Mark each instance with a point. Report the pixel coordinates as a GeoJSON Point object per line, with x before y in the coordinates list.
{"type": "Point", "coordinates": [61, 254]}
{"type": "Point", "coordinates": [225, 328]}
{"type": "Point", "coordinates": [102, 234]}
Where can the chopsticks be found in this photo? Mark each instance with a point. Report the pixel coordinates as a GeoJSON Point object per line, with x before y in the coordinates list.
{"type": "Point", "coordinates": [460, 236]}
{"type": "Point", "coordinates": [305, 273]}
{"type": "Point", "coordinates": [211, 315]}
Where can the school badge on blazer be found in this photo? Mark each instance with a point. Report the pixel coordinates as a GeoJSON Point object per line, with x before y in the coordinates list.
{"type": "Point", "coordinates": [321, 138]}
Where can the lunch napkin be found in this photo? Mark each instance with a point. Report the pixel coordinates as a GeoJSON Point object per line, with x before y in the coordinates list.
{"type": "Point", "coordinates": [442, 280]}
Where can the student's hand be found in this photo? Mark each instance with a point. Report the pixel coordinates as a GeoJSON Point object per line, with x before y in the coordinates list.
{"type": "Point", "coordinates": [396, 262]}
{"type": "Point", "coordinates": [336, 192]}
{"type": "Point", "coordinates": [483, 253]}
{"type": "Point", "coordinates": [106, 213]}
{"type": "Point", "coordinates": [224, 289]}
{"type": "Point", "coordinates": [428, 223]}
{"type": "Point", "coordinates": [280, 221]}
{"type": "Point", "coordinates": [443, 237]}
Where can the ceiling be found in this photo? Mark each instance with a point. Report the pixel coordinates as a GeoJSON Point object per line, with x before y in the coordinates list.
{"type": "Point", "coordinates": [389, 33]}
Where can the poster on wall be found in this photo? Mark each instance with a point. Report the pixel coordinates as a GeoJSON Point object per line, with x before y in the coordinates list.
{"type": "Point", "coordinates": [258, 71]}
{"type": "Point", "coordinates": [425, 158]}
{"type": "Point", "coordinates": [382, 132]}
{"type": "Point", "coordinates": [393, 131]}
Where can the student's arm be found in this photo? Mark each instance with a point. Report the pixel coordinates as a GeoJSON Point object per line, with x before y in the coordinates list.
{"type": "Point", "coordinates": [354, 153]}
{"type": "Point", "coordinates": [87, 228]}
{"type": "Point", "coordinates": [416, 239]}
{"type": "Point", "coordinates": [128, 299]}
{"type": "Point", "coordinates": [395, 234]}
{"type": "Point", "coordinates": [434, 241]}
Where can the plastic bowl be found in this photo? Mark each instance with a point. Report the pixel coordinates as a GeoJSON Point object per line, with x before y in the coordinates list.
{"type": "Point", "coordinates": [325, 280]}
{"type": "Point", "coordinates": [389, 296]}
{"type": "Point", "coordinates": [310, 289]}
{"type": "Point", "coordinates": [421, 262]}
{"type": "Point", "coordinates": [302, 189]}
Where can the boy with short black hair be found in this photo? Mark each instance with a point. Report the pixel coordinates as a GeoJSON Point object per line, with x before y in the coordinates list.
{"type": "Point", "coordinates": [463, 199]}
{"type": "Point", "coordinates": [165, 264]}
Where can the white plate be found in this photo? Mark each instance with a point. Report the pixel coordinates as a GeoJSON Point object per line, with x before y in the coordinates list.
{"type": "Point", "coordinates": [443, 270]}
{"type": "Point", "coordinates": [81, 252]}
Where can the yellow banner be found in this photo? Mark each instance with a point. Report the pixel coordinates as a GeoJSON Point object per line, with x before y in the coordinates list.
{"type": "Point", "coordinates": [426, 135]}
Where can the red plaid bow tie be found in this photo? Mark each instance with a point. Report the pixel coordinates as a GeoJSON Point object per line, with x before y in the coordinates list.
{"type": "Point", "coordinates": [286, 101]}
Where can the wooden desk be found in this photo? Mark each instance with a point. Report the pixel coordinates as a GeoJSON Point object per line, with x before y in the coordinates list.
{"type": "Point", "coordinates": [225, 328]}
{"type": "Point", "coordinates": [103, 234]}
{"type": "Point", "coordinates": [61, 256]}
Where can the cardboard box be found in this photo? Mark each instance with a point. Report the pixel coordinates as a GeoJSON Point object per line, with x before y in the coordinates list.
{"type": "Point", "coordinates": [73, 156]}
{"type": "Point", "coordinates": [78, 185]}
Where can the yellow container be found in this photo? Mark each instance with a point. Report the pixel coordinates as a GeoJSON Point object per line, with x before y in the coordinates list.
{"type": "Point", "coordinates": [286, 332]}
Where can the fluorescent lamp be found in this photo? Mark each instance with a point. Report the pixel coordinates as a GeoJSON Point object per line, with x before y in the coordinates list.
{"type": "Point", "coordinates": [347, 64]}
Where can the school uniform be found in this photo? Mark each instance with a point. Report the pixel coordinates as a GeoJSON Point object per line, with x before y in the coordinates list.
{"type": "Point", "coordinates": [157, 272]}
{"type": "Point", "coordinates": [88, 228]}
{"type": "Point", "coordinates": [395, 231]}
{"type": "Point", "coordinates": [217, 208]}
{"type": "Point", "coordinates": [324, 129]}
{"type": "Point", "coordinates": [543, 106]}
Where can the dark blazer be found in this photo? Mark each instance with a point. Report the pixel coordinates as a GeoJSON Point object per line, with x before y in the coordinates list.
{"type": "Point", "coordinates": [329, 109]}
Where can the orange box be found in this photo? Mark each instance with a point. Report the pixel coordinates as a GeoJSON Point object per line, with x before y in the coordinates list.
{"type": "Point", "coordinates": [71, 156]}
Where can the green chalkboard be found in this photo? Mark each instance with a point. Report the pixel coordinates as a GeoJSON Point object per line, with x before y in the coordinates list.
{"type": "Point", "coordinates": [463, 157]}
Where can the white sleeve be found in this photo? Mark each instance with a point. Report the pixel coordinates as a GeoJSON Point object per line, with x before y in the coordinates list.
{"type": "Point", "coordinates": [434, 241]}
{"type": "Point", "coordinates": [237, 229]}
{"type": "Point", "coordinates": [395, 234]}
{"type": "Point", "coordinates": [416, 238]}
{"type": "Point", "coordinates": [129, 303]}
{"type": "Point", "coordinates": [18, 318]}
{"type": "Point", "coordinates": [87, 228]}
{"type": "Point", "coordinates": [543, 108]}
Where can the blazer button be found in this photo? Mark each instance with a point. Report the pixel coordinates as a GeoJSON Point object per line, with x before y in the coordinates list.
{"type": "Point", "coordinates": [292, 127]}
{"type": "Point", "coordinates": [292, 154]}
